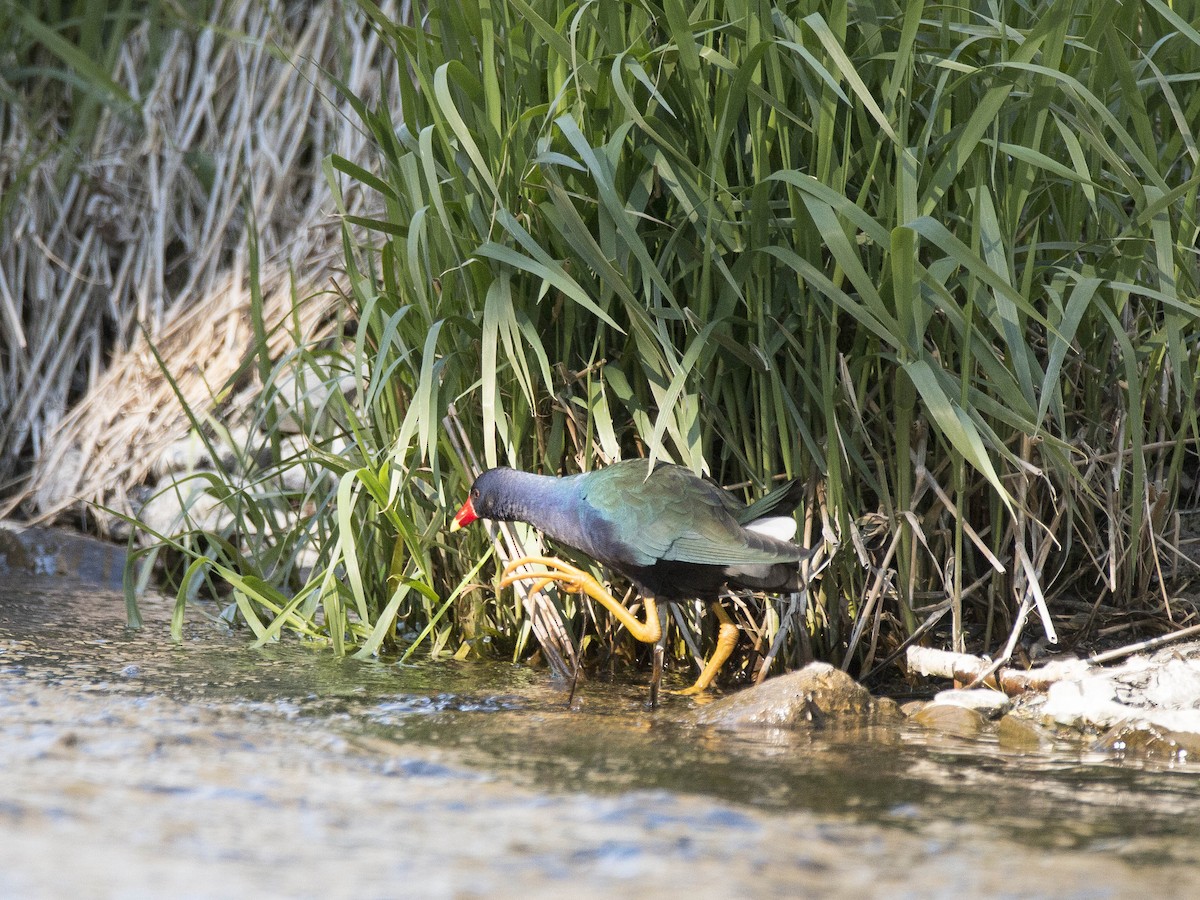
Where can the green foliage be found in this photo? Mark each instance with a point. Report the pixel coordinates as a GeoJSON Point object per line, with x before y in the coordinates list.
{"type": "Point", "coordinates": [938, 260]}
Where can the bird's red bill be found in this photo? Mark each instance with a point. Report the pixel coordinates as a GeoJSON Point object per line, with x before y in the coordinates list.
{"type": "Point", "coordinates": [465, 516]}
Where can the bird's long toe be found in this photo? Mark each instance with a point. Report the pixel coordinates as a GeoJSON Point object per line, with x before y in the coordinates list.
{"type": "Point", "coordinates": [552, 567]}
{"type": "Point", "coordinates": [570, 578]}
{"type": "Point", "coordinates": [727, 638]}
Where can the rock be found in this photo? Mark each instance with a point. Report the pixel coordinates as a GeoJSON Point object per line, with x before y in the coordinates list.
{"type": "Point", "coordinates": [912, 707]}
{"type": "Point", "coordinates": [63, 489]}
{"type": "Point", "coordinates": [306, 560]}
{"type": "Point", "coordinates": [191, 454]}
{"type": "Point", "coordinates": [293, 475]}
{"type": "Point", "coordinates": [814, 695]}
{"type": "Point", "coordinates": [1159, 693]}
{"type": "Point", "coordinates": [301, 467]}
{"type": "Point", "coordinates": [1144, 740]}
{"type": "Point", "coordinates": [988, 702]}
{"type": "Point", "coordinates": [1083, 701]}
{"type": "Point", "coordinates": [1107, 698]}
{"type": "Point", "coordinates": [887, 708]}
{"type": "Point", "coordinates": [952, 719]}
{"type": "Point", "coordinates": [1176, 685]}
{"type": "Point", "coordinates": [14, 556]}
{"type": "Point", "coordinates": [188, 496]}
{"type": "Point", "coordinates": [1015, 733]}
{"type": "Point", "coordinates": [1062, 669]}
{"type": "Point", "coordinates": [50, 551]}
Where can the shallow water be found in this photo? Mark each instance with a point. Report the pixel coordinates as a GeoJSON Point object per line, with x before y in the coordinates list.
{"type": "Point", "coordinates": [133, 767]}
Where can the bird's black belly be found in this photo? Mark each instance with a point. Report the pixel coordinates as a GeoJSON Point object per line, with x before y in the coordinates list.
{"type": "Point", "coordinates": [669, 580]}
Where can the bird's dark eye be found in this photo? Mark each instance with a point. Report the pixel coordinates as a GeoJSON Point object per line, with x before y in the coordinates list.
{"type": "Point", "coordinates": [474, 493]}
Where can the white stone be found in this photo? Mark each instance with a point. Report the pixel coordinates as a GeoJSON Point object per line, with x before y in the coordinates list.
{"type": "Point", "coordinates": [172, 501]}
{"type": "Point", "coordinates": [990, 703]}
{"type": "Point", "coordinates": [303, 399]}
{"type": "Point", "coordinates": [1063, 668]}
{"type": "Point", "coordinates": [1092, 700]}
{"type": "Point", "coordinates": [1175, 686]}
{"type": "Point", "coordinates": [191, 454]}
{"type": "Point", "coordinates": [63, 488]}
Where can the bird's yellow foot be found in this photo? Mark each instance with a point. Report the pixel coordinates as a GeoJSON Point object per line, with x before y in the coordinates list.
{"type": "Point", "coordinates": [727, 637]}
{"type": "Point", "coordinates": [569, 578]}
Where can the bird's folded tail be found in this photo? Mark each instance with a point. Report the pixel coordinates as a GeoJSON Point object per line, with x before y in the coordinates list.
{"type": "Point", "coordinates": [781, 528]}
{"type": "Point", "coordinates": [779, 502]}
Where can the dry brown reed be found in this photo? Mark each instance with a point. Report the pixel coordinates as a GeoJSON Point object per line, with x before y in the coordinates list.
{"type": "Point", "coordinates": [149, 230]}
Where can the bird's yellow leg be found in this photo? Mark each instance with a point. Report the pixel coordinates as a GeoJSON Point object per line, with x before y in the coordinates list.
{"type": "Point", "coordinates": [578, 581]}
{"type": "Point", "coordinates": [727, 638]}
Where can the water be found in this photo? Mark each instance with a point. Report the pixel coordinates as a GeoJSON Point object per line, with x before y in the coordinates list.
{"type": "Point", "coordinates": [136, 768]}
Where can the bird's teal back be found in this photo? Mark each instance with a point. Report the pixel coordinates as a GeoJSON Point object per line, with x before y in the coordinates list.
{"type": "Point", "coordinates": [640, 516]}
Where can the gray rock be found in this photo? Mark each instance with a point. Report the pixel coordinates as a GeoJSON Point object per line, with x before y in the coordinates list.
{"type": "Point", "coordinates": [1136, 694]}
{"type": "Point", "coordinates": [63, 489]}
{"type": "Point", "coordinates": [50, 551]}
{"type": "Point", "coordinates": [302, 476]}
{"type": "Point", "coordinates": [815, 694]}
{"type": "Point", "coordinates": [1176, 685]}
{"type": "Point", "coordinates": [192, 454]}
{"type": "Point", "coordinates": [185, 498]}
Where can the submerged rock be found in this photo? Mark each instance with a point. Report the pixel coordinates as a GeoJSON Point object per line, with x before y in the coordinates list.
{"type": "Point", "coordinates": [962, 712]}
{"type": "Point", "coordinates": [912, 707]}
{"type": "Point", "coordinates": [1144, 740]}
{"type": "Point", "coordinates": [952, 719]}
{"type": "Point", "coordinates": [1016, 733]}
{"type": "Point", "coordinates": [813, 695]}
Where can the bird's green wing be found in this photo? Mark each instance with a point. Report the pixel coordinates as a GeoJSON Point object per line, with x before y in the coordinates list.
{"type": "Point", "coordinates": [671, 514]}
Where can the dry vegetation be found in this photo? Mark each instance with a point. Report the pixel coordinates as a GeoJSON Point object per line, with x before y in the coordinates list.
{"type": "Point", "coordinates": [139, 226]}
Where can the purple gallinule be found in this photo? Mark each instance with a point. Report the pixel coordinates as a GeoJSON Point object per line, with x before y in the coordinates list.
{"type": "Point", "coordinates": [670, 532]}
